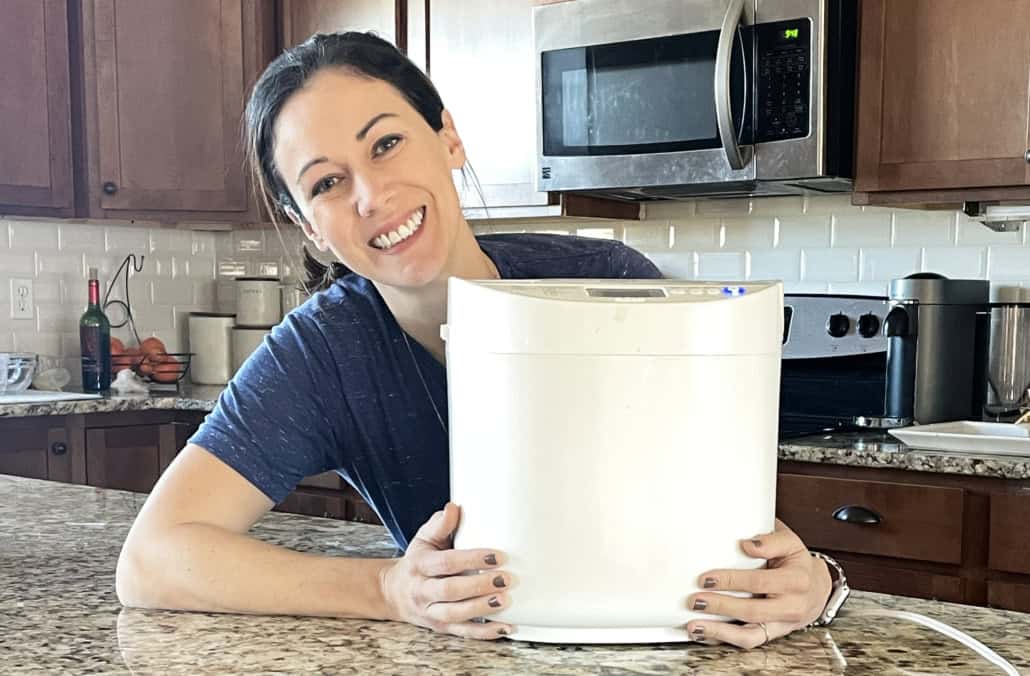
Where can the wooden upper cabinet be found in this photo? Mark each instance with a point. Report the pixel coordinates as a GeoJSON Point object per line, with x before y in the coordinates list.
{"type": "Point", "coordinates": [302, 18]}
{"type": "Point", "coordinates": [944, 95]}
{"type": "Point", "coordinates": [165, 88]}
{"type": "Point", "coordinates": [35, 108]}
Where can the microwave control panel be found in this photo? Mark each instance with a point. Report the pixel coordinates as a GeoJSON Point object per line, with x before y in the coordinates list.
{"type": "Point", "coordinates": [783, 77]}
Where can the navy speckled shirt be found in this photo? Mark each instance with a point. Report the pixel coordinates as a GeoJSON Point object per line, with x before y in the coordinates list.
{"type": "Point", "coordinates": [334, 387]}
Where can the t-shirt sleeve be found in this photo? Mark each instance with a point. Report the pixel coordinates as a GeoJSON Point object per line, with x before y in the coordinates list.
{"type": "Point", "coordinates": [279, 418]}
{"type": "Point", "coordinates": [628, 263]}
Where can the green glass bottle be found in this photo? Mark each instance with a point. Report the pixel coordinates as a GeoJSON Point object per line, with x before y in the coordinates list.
{"type": "Point", "coordinates": [95, 341]}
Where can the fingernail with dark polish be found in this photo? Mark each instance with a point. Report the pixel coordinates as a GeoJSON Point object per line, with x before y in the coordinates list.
{"type": "Point", "coordinates": [709, 582]}
{"type": "Point", "coordinates": [499, 582]}
{"type": "Point", "coordinates": [699, 633]}
{"type": "Point", "coordinates": [494, 602]}
{"type": "Point", "coordinates": [502, 631]}
{"type": "Point", "coordinates": [700, 604]}
{"type": "Point", "coordinates": [490, 559]}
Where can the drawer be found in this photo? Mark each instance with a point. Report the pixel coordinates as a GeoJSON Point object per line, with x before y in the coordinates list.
{"type": "Point", "coordinates": [915, 521]}
{"type": "Point", "coordinates": [893, 579]}
{"type": "Point", "coordinates": [1010, 545]}
{"type": "Point", "coordinates": [1009, 595]}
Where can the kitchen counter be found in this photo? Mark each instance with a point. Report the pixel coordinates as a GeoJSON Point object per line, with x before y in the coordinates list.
{"type": "Point", "coordinates": [59, 544]}
{"type": "Point", "coordinates": [880, 450]}
{"type": "Point", "coordinates": [187, 398]}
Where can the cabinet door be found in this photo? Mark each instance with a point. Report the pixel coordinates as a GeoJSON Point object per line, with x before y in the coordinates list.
{"type": "Point", "coordinates": [126, 458]}
{"type": "Point", "coordinates": [1010, 545]}
{"type": "Point", "coordinates": [43, 447]}
{"type": "Point", "coordinates": [944, 95]}
{"type": "Point", "coordinates": [165, 85]}
{"type": "Point", "coordinates": [303, 18]}
{"type": "Point", "coordinates": [481, 61]}
{"type": "Point", "coordinates": [35, 108]}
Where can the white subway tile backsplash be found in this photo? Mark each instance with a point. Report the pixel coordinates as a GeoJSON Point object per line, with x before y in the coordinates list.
{"type": "Point", "coordinates": [701, 235]}
{"type": "Point", "coordinates": [972, 232]}
{"type": "Point", "coordinates": [204, 244]}
{"type": "Point", "coordinates": [957, 262]}
{"type": "Point", "coordinates": [924, 228]}
{"type": "Point", "coordinates": [855, 228]}
{"type": "Point", "coordinates": [171, 291]}
{"type": "Point", "coordinates": [204, 295]}
{"type": "Point", "coordinates": [81, 237]}
{"type": "Point", "coordinates": [30, 340]}
{"type": "Point", "coordinates": [59, 264]}
{"type": "Point", "coordinates": [152, 317]}
{"type": "Point", "coordinates": [859, 288]}
{"type": "Point", "coordinates": [248, 242]}
{"type": "Point", "coordinates": [647, 237]}
{"type": "Point", "coordinates": [804, 231]}
{"type": "Point", "coordinates": [168, 241]}
{"type": "Point", "coordinates": [57, 318]}
{"type": "Point", "coordinates": [818, 205]}
{"type": "Point", "coordinates": [6, 338]}
{"type": "Point", "coordinates": [883, 264]}
{"type": "Point", "coordinates": [1008, 263]}
{"type": "Point", "coordinates": [758, 232]}
{"type": "Point", "coordinates": [793, 205]}
{"type": "Point", "coordinates": [200, 268]}
{"type": "Point", "coordinates": [729, 266]}
{"type": "Point", "coordinates": [805, 287]}
{"type": "Point", "coordinates": [678, 265]}
{"type": "Point", "coordinates": [600, 232]}
{"type": "Point", "coordinates": [669, 210]}
{"type": "Point", "coordinates": [122, 240]}
{"type": "Point", "coordinates": [829, 265]}
{"type": "Point", "coordinates": [739, 206]}
{"type": "Point", "coordinates": [18, 263]}
{"type": "Point", "coordinates": [33, 235]}
{"type": "Point", "coordinates": [779, 264]}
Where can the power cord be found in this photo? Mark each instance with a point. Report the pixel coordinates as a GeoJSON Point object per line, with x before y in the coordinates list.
{"type": "Point", "coordinates": [940, 627]}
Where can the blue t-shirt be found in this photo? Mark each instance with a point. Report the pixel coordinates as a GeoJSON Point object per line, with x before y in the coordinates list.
{"type": "Point", "coordinates": [335, 387]}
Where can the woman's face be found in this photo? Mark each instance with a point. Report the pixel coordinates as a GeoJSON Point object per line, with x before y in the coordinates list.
{"type": "Point", "coordinates": [371, 178]}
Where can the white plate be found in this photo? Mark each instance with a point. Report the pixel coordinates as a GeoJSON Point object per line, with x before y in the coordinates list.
{"type": "Point", "coordinates": [968, 436]}
{"type": "Point", "coordinates": [42, 397]}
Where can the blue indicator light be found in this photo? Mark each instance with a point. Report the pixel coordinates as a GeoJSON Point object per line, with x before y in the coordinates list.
{"type": "Point", "coordinates": [734, 290]}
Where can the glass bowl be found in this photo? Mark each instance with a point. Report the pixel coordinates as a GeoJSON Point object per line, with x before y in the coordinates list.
{"type": "Point", "coordinates": [16, 369]}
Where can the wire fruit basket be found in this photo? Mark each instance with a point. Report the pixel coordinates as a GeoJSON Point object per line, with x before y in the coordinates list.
{"type": "Point", "coordinates": [166, 368]}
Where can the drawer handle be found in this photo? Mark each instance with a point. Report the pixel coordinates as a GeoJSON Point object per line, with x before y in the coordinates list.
{"type": "Point", "coordinates": [857, 514]}
{"type": "Point", "coordinates": [58, 448]}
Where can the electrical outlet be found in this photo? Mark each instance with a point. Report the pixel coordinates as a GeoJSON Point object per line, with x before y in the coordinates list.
{"type": "Point", "coordinates": [22, 303]}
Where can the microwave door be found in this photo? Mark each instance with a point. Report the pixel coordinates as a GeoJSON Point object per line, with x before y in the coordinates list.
{"type": "Point", "coordinates": [620, 107]}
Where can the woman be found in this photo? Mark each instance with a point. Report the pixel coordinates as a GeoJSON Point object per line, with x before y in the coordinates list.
{"type": "Point", "coordinates": [350, 141]}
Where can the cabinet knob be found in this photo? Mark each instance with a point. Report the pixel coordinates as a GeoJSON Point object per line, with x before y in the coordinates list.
{"type": "Point", "coordinates": [110, 188]}
{"type": "Point", "coordinates": [857, 514]}
{"type": "Point", "coordinates": [58, 448]}
{"type": "Point", "coordinates": [1027, 155]}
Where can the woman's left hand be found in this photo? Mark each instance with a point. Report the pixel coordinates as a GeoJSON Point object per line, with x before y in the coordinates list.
{"type": "Point", "coordinates": [790, 592]}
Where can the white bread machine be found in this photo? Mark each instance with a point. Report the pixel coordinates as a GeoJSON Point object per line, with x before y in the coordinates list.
{"type": "Point", "coordinates": [616, 439]}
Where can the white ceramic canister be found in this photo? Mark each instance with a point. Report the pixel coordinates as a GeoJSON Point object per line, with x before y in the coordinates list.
{"type": "Point", "coordinates": [292, 296]}
{"type": "Point", "coordinates": [211, 345]}
{"type": "Point", "coordinates": [258, 301]}
{"type": "Point", "coordinates": [246, 339]}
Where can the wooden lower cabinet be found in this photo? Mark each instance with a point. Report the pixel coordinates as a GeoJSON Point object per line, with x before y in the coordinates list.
{"type": "Point", "coordinates": [937, 536]}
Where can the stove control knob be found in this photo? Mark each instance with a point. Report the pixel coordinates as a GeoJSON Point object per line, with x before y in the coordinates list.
{"type": "Point", "coordinates": [837, 325]}
{"type": "Point", "coordinates": [868, 325]}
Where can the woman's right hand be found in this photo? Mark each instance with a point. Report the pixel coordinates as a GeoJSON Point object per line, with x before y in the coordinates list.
{"type": "Point", "coordinates": [435, 586]}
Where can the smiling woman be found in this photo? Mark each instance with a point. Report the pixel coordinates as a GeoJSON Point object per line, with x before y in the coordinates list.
{"type": "Point", "coordinates": [350, 141]}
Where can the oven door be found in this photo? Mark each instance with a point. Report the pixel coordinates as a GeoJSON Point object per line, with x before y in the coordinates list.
{"type": "Point", "coordinates": [630, 97]}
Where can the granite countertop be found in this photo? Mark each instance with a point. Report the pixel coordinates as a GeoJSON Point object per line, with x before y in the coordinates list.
{"type": "Point", "coordinates": [879, 449]}
{"type": "Point", "coordinates": [59, 544]}
{"type": "Point", "coordinates": [187, 398]}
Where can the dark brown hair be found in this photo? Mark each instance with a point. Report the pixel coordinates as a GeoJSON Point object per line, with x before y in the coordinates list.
{"type": "Point", "coordinates": [363, 54]}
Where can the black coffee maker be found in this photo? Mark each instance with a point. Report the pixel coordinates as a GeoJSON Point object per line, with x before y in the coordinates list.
{"type": "Point", "coordinates": [937, 338]}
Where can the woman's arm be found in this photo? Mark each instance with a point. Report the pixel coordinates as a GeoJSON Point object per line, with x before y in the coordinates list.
{"type": "Point", "coordinates": [188, 550]}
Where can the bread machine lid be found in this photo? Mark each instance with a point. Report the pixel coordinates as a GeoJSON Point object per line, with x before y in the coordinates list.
{"type": "Point", "coordinates": [605, 316]}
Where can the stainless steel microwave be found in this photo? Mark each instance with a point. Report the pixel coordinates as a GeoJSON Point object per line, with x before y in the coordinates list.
{"type": "Point", "coordinates": [652, 99]}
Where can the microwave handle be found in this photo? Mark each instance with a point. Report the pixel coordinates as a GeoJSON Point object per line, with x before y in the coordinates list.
{"type": "Point", "coordinates": [735, 155]}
